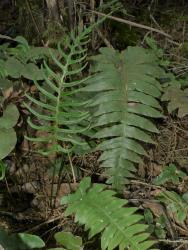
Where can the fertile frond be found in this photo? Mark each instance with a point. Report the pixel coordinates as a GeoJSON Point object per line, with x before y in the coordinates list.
{"type": "Point", "coordinates": [58, 109]}
{"type": "Point", "coordinates": [101, 212]}
{"type": "Point", "coordinates": [126, 90]}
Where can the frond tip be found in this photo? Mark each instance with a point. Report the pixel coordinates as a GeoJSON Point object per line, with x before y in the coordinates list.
{"type": "Point", "coordinates": [101, 212]}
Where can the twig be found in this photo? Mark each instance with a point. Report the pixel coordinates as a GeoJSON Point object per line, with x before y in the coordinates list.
{"type": "Point", "coordinates": [182, 241]}
{"type": "Point", "coordinates": [179, 247]}
{"type": "Point", "coordinates": [173, 42]}
{"type": "Point", "coordinates": [146, 184]}
{"type": "Point", "coordinates": [6, 37]}
{"type": "Point", "coordinates": [142, 26]}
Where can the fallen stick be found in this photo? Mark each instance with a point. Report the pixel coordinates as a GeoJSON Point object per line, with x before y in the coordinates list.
{"type": "Point", "coordinates": [142, 26]}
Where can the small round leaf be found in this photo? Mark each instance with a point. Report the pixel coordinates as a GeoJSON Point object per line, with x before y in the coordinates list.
{"type": "Point", "coordinates": [10, 117]}
{"type": "Point", "coordinates": [32, 241]}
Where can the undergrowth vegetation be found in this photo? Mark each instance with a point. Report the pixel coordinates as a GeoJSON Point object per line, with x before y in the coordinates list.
{"type": "Point", "coordinates": [79, 103]}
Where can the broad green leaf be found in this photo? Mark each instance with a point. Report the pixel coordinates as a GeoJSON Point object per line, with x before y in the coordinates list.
{"type": "Point", "coordinates": [10, 117]}
{"type": "Point", "coordinates": [31, 241]}
{"type": "Point", "coordinates": [31, 71]}
{"type": "Point", "coordinates": [8, 142]}
{"type": "Point", "coordinates": [20, 241]}
{"type": "Point", "coordinates": [14, 67]}
{"type": "Point", "coordinates": [5, 83]}
{"type": "Point", "coordinates": [68, 240]}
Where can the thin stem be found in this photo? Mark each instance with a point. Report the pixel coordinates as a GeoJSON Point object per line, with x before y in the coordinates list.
{"type": "Point", "coordinates": [59, 179]}
{"type": "Point", "coordinates": [52, 186]}
{"type": "Point", "coordinates": [72, 169]}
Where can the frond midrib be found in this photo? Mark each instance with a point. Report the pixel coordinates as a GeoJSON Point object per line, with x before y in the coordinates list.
{"type": "Point", "coordinates": [61, 88]}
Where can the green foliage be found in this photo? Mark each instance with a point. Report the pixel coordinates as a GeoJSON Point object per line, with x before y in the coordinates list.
{"type": "Point", "coordinates": [31, 241]}
{"type": "Point", "coordinates": [153, 45]}
{"type": "Point", "coordinates": [20, 61]}
{"type": "Point", "coordinates": [61, 111]}
{"type": "Point", "coordinates": [125, 93]}
{"type": "Point", "coordinates": [20, 241]}
{"type": "Point", "coordinates": [112, 6]}
{"type": "Point", "coordinates": [24, 241]}
{"type": "Point", "coordinates": [156, 226]}
{"type": "Point", "coordinates": [170, 174]}
{"type": "Point", "coordinates": [177, 99]}
{"type": "Point", "coordinates": [101, 212]}
{"type": "Point", "coordinates": [160, 227]}
{"type": "Point", "coordinates": [68, 240]}
{"type": "Point", "coordinates": [175, 203]}
{"type": "Point", "coordinates": [7, 132]}
{"type": "Point", "coordinates": [175, 89]}
{"type": "Point", "coordinates": [54, 33]}
{"type": "Point", "coordinates": [5, 84]}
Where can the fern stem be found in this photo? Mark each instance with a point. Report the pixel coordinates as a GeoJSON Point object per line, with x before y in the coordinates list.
{"type": "Point", "coordinates": [72, 169]}
{"type": "Point", "coordinates": [52, 188]}
{"type": "Point", "coordinates": [59, 179]}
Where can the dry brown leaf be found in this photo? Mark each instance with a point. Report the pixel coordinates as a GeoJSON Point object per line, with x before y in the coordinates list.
{"type": "Point", "coordinates": [156, 208]}
{"type": "Point", "coordinates": [7, 92]}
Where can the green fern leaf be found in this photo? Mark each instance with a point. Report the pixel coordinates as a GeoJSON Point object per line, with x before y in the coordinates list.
{"type": "Point", "coordinates": [59, 110]}
{"type": "Point", "coordinates": [101, 212]}
{"type": "Point", "coordinates": [126, 96]}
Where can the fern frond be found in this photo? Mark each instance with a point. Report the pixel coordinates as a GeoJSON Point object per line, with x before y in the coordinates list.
{"type": "Point", "coordinates": [59, 110]}
{"type": "Point", "coordinates": [125, 90]}
{"type": "Point", "coordinates": [101, 212]}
